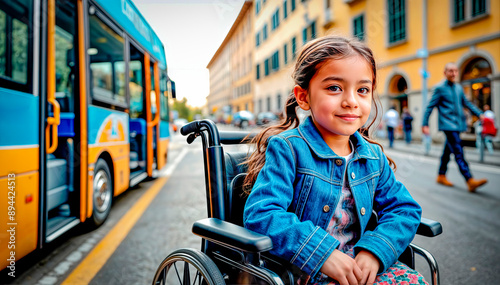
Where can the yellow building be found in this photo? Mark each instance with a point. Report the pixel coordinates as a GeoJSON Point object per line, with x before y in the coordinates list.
{"type": "Point", "coordinates": [281, 28]}
{"type": "Point", "coordinates": [411, 44]}
{"type": "Point", "coordinates": [231, 69]}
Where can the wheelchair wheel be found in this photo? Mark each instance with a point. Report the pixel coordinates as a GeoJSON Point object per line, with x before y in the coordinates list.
{"type": "Point", "coordinates": [188, 266]}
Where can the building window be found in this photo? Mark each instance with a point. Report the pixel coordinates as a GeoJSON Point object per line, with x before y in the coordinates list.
{"type": "Point", "coordinates": [258, 71]}
{"type": "Point", "coordinates": [309, 33]}
{"type": "Point", "coordinates": [397, 20]}
{"type": "Point", "coordinates": [257, 7]}
{"type": "Point", "coordinates": [478, 7]}
{"type": "Point", "coordinates": [266, 67]}
{"type": "Point", "coordinates": [257, 39]}
{"type": "Point", "coordinates": [292, 5]}
{"type": "Point", "coordinates": [260, 105]}
{"type": "Point", "coordinates": [466, 10]}
{"type": "Point", "coordinates": [294, 47]}
{"type": "Point", "coordinates": [276, 61]}
{"type": "Point", "coordinates": [264, 32]}
{"type": "Point", "coordinates": [285, 9]}
{"type": "Point", "coordinates": [275, 20]}
{"type": "Point", "coordinates": [278, 101]}
{"type": "Point", "coordinates": [285, 54]}
{"type": "Point", "coordinates": [269, 103]}
{"type": "Point", "coordinates": [359, 27]}
{"type": "Point", "coordinates": [313, 30]}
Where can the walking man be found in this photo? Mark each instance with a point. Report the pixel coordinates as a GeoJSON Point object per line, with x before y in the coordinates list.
{"type": "Point", "coordinates": [450, 100]}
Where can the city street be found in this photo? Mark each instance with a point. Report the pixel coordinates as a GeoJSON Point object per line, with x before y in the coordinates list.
{"type": "Point", "coordinates": [467, 251]}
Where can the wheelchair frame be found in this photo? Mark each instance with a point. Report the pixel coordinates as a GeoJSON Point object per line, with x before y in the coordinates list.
{"type": "Point", "coordinates": [229, 251]}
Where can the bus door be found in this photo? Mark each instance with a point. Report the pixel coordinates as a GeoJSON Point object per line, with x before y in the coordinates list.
{"type": "Point", "coordinates": [138, 117]}
{"type": "Point", "coordinates": [164, 138]}
{"type": "Point", "coordinates": [62, 199]}
{"type": "Point", "coordinates": [154, 119]}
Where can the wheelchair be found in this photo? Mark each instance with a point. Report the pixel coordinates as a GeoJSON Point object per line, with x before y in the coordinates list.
{"type": "Point", "coordinates": [230, 253]}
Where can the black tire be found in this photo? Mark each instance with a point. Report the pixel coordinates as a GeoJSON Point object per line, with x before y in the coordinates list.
{"type": "Point", "coordinates": [188, 266]}
{"type": "Point", "coordinates": [102, 193]}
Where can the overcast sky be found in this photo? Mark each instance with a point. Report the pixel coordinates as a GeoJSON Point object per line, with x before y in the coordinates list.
{"type": "Point", "coordinates": [191, 31]}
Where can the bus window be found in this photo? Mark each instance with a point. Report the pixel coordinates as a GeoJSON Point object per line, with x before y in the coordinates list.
{"type": "Point", "coordinates": [65, 55]}
{"type": "Point", "coordinates": [15, 40]}
{"type": "Point", "coordinates": [152, 94]}
{"type": "Point", "coordinates": [163, 98]}
{"type": "Point", "coordinates": [135, 84]}
{"type": "Point", "coordinates": [107, 70]}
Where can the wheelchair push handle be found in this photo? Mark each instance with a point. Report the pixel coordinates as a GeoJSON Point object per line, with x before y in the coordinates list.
{"type": "Point", "coordinates": [195, 128]}
{"type": "Point", "coordinates": [189, 128]}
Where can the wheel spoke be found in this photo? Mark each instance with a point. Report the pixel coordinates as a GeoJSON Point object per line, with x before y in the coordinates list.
{"type": "Point", "coordinates": [164, 276]}
{"type": "Point", "coordinates": [197, 277]}
{"type": "Point", "coordinates": [177, 272]}
{"type": "Point", "coordinates": [187, 279]}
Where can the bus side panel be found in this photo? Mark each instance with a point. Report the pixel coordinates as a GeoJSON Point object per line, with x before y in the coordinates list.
{"type": "Point", "coordinates": [109, 132]}
{"type": "Point", "coordinates": [18, 235]}
{"type": "Point", "coordinates": [19, 152]}
{"type": "Point", "coordinates": [163, 146]}
{"type": "Point", "coordinates": [121, 164]}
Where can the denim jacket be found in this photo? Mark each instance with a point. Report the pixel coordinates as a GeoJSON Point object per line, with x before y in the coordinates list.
{"type": "Point", "coordinates": [297, 190]}
{"type": "Point", "coordinates": [450, 101]}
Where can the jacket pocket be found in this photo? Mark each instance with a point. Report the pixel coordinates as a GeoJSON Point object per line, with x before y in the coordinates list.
{"type": "Point", "coordinates": [303, 195]}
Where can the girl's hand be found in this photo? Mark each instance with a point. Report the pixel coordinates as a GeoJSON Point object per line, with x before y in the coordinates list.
{"type": "Point", "coordinates": [342, 268]}
{"type": "Point", "coordinates": [369, 266]}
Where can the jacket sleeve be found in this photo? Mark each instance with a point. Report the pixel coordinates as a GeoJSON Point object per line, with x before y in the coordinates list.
{"type": "Point", "coordinates": [433, 103]}
{"type": "Point", "coordinates": [470, 106]}
{"type": "Point", "coordinates": [300, 242]}
{"type": "Point", "coordinates": [399, 217]}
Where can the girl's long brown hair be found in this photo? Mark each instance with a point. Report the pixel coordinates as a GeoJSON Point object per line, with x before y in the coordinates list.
{"type": "Point", "coordinates": [309, 60]}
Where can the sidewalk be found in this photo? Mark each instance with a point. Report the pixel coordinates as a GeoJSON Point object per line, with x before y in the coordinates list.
{"type": "Point", "coordinates": [417, 147]}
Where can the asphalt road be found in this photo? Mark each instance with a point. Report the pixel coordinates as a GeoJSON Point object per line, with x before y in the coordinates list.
{"type": "Point", "coordinates": [467, 251]}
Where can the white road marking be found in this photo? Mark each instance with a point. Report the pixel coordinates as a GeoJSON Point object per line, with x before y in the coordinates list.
{"type": "Point", "coordinates": [167, 171]}
{"type": "Point", "coordinates": [60, 269]}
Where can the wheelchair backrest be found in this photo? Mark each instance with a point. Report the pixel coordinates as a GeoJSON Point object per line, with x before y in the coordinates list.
{"type": "Point", "coordinates": [235, 197]}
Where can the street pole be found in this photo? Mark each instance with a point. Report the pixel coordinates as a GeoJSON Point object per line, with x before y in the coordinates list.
{"type": "Point", "coordinates": [424, 54]}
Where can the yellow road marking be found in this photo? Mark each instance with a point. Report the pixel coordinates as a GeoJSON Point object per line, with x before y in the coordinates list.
{"type": "Point", "coordinates": [95, 260]}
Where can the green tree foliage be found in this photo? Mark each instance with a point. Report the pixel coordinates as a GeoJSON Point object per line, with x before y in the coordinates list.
{"type": "Point", "coordinates": [184, 110]}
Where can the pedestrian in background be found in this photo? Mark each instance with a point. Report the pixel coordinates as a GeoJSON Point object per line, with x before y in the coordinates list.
{"type": "Point", "coordinates": [489, 128]}
{"type": "Point", "coordinates": [450, 100]}
{"type": "Point", "coordinates": [407, 122]}
{"type": "Point", "coordinates": [391, 120]}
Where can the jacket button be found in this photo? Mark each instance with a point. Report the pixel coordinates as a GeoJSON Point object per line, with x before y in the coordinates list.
{"type": "Point", "coordinates": [338, 162]}
{"type": "Point", "coordinates": [326, 208]}
{"type": "Point", "coordinates": [363, 211]}
{"type": "Point", "coordinates": [353, 175]}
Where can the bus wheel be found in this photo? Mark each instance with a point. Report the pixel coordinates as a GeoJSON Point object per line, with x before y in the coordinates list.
{"type": "Point", "coordinates": [102, 195]}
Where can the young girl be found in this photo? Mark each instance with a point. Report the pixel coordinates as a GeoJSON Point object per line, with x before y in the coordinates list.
{"type": "Point", "coordinates": [314, 185]}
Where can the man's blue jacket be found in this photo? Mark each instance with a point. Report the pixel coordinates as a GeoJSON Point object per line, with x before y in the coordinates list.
{"type": "Point", "coordinates": [450, 100]}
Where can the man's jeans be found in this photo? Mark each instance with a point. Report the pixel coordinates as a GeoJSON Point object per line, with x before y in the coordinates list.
{"type": "Point", "coordinates": [453, 145]}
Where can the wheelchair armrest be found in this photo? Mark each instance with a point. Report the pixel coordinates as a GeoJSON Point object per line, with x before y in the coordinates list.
{"type": "Point", "coordinates": [231, 235]}
{"type": "Point", "coordinates": [429, 228]}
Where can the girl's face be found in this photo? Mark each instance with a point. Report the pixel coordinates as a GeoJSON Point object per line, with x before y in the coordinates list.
{"type": "Point", "coordinates": [339, 96]}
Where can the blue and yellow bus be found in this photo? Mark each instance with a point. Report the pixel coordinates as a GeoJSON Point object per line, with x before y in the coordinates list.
{"type": "Point", "coordinates": [84, 114]}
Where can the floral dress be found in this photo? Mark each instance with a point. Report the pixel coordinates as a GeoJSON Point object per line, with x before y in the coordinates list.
{"type": "Point", "coordinates": [344, 227]}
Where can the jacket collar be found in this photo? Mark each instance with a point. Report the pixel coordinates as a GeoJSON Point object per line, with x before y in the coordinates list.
{"type": "Point", "coordinates": [312, 136]}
